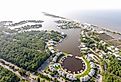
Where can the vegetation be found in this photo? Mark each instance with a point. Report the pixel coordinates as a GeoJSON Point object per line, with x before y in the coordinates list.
{"type": "Point", "coordinates": [113, 72]}
{"type": "Point", "coordinates": [27, 27]}
{"type": "Point", "coordinates": [26, 21]}
{"type": "Point", "coordinates": [44, 77]}
{"type": "Point", "coordinates": [88, 68]}
{"type": "Point", "coordinates": [7, 76]}
{"type": "Point", "coordinates": [27, 49]}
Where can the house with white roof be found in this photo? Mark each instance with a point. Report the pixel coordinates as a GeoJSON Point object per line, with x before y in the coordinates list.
{"type": "Point", "coordinates": [70, 77]}
{"type": "Point", "coordinates": [52, 68]}
{"type": "Point", "coordinates": [92, 64]}
{"type": "Point", "coordinates": [51, 49]}
{"type": "Point", "coordinates": [62, 73]}
{"type": "Point", "coordinates": [89, 58]}
{"type": "Point", "coordinates": [56, 57]}
{"type": "Point", "coordinates": [92, 72]}
{"type": "Point", "coordinates": [85, 78]}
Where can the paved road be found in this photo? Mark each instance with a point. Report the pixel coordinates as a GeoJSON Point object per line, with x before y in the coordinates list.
{"type": "Point", "coordinates": [44, 65]}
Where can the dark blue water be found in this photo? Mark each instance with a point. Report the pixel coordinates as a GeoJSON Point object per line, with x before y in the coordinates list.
{"type": "Point", "coordinates": [110, 19]}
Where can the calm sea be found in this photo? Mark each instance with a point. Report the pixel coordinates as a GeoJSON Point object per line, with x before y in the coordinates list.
{"type": "Point", "coordinates": [110, 19]}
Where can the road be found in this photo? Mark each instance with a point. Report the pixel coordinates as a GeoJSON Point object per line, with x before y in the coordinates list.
{"type": "Point", "coordinates": [29, 78]}
{"type": "Point", "coordinates": [44, 65]}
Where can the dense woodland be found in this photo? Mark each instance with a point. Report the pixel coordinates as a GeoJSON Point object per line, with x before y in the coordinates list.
{"type": "Point", "coordinates": [7, 76]}
{"type": "Point", "coordinates": [27, 49]}
{"type": "Point", "coordinates": [113, 72]}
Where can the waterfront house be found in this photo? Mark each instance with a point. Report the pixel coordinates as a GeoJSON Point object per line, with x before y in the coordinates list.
{"type": "Point", "coordinates": [101, 32]}
{"type": "Point", "coordinates": [84, 49]}
{"type": "Point", "coordinates": [82, 45]}
{"type": "Point", "coordinates": [70, 77]}
{"type": "Point", "coordinates": [85, 78]}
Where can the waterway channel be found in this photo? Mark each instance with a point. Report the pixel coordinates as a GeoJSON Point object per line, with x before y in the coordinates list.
{"type": "Point", "coordinates": [69, 45]}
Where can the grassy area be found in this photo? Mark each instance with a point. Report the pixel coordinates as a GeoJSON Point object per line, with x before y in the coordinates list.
{"type": "Point", "coordinates": [87, 70]}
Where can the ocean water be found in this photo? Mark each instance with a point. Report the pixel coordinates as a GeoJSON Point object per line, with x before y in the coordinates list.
{"type": "Point", "coordinates": [110, 19]}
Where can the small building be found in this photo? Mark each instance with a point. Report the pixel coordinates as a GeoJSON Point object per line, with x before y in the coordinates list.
{"type": "Point", "coordinates": [82, 45]}
{"type": "Point", "coordinates": [101, 32]}
{"type": "Point", "coordinates": [56, 65]}
{"type": "Point", "coordinates": [50, 44]}
{"type": "Point", "coordinates": [85, 78]}
{"type": "Point", "coordinates": [56, 57]}
{"type": "Point", "coordinates": [62, 73]}
{"type": "Point", "coordinates": [89, 58]}
{"type": "Point", "coordinates": [52, 68]}
{"type": "Point", "coordinates": [92, 64]}
{"type": "Point", "coordinates": [70, 77]}
{"type": "Point", "coordinates": [119, 58]}
{"type": "Point", "coordinates": [92, 72]}
{"type": "Point", "coordinates": [85, 48]}
{"type": "Point", "coordinates": [51, 49]}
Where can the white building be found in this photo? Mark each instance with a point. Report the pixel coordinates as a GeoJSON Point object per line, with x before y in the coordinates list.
{"type": "Point", "coordinates": [92, 72]}
{"type": "Point", "coordinates": [52, 68]}
{"type": "Point", "coordinates": [85, 78]}
{"type": "Point", "coordinates": [62, 73]}
{"type": "Point", "coordinates": [70, 77]}
{"type": "Point", "coordinates": [92, 64]}
{"type": "Point", "coordinates": [56, 57]}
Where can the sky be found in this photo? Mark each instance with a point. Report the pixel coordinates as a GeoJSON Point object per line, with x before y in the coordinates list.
{"type": "Point", "coordinates": [27, 9]}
